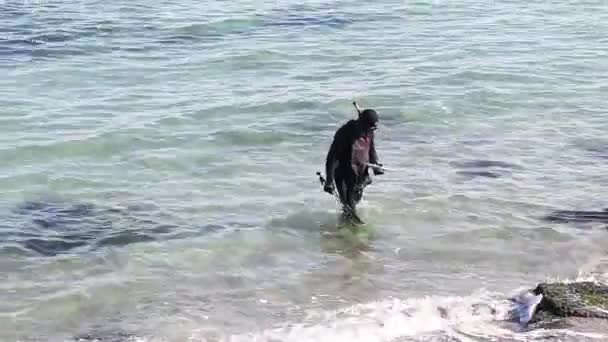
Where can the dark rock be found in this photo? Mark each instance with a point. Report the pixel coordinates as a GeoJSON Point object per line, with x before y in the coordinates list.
{"type": "Point", "coordinates": [486, 174]}
{"type": "Point", "coordinates": [578, 216]}
{"type": "Point", "coordinates": [484, 164]}
{"type": "Point", "coordinates": [484, 168]}
{"type": "Point", "coordinates": [560, 300]}
{"type": "Point", "coordinates": [51, 228]}
{"type": "Point", "coordinates": [51, 247]}
{"type": "Point", "coordinates": [105, 337]}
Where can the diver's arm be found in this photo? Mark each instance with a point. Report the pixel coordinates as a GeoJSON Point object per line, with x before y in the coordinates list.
{"type": "Point", "coordinates": [336, 151]}
{"type": "Point", "coordinates": [373, 156]}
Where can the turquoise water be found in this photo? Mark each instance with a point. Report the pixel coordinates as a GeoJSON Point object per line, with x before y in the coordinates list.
{"type": "Point", "coordinates": [158, 162]}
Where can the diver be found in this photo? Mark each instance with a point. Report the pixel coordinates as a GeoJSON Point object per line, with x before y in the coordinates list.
{"type": "Point", "coordinates": [351, 155]}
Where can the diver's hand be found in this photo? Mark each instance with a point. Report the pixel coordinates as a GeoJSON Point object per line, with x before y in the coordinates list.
{"type": "Point", "coordinates": [329, 188]}
{"type": "Point", "coordinates": [378, 170]}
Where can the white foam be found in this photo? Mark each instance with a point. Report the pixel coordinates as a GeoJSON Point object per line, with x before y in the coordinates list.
{"type": "Point", "coordinates": [482, 315]}
{"type": "Point", "coordinates": [385, 320]}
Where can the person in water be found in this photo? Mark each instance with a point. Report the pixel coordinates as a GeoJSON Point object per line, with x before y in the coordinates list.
{"type": "Point", "coordinates": [348, 159]}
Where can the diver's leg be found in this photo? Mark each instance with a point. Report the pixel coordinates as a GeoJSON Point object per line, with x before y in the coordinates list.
{"type": "Point", "coordinates": [352, 199]}
{"type": "Point", "coordinates": [344, 195]}
{"type": "Point", "coordinates": [355, 198]}
{"type": "Point", "coordinates": [357, 193]}
{"type": "Point", "coordinates": [340, 186]}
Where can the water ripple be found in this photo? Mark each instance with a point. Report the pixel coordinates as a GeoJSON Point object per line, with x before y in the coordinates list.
{"type": "Point", "coordinates": [213, 117]}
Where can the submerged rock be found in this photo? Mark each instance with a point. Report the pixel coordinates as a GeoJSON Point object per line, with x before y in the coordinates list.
{"type": "Point", "coordinates": [578, 216]}
{"type": "Point", "coordinates": [484, 168]}
{"type": "Point", "coordinates": [106, 337]}
{"type": "Point", "coordinates": [562, 302]}
{"type": "Point", "coordinates": [51, 228]}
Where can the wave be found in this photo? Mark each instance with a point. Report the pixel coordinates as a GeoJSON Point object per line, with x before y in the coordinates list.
{"type": "Point", "coordinates": [481, 316]}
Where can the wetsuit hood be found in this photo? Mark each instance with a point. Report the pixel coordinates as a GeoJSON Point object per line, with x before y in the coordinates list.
{"type": "Point", "coordinates": [369, 119]}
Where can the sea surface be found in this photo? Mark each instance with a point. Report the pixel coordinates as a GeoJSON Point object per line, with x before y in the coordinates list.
{"type": "Point", "coordinates": [158, 160]}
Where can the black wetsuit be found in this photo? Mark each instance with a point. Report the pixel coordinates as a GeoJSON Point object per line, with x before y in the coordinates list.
{"type": "Point", "coordinates": [352, 149]}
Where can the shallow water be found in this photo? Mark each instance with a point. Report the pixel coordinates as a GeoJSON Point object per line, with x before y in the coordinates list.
{"type": "Point", "coordinates": [158, 166]}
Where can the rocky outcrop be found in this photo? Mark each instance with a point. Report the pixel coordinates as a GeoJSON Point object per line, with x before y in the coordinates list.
{"type": "Point", "coordinates": [564, 301]}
